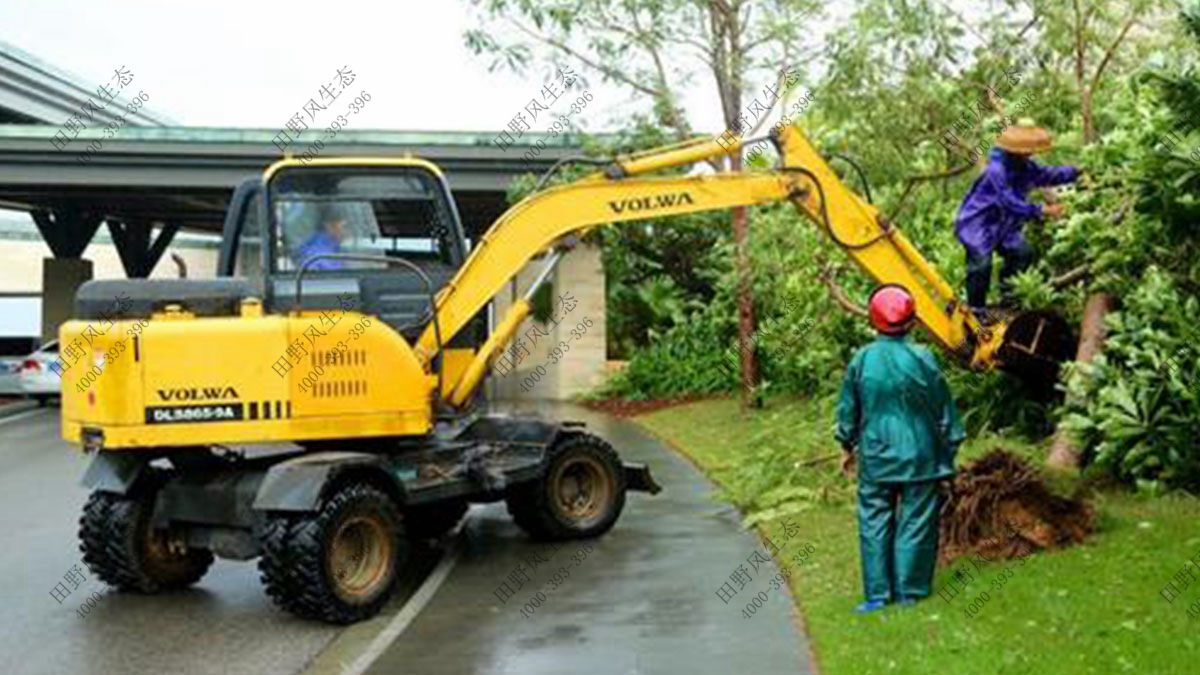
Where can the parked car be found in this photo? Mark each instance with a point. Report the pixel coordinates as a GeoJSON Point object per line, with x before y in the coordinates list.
{"type": "Point", "coordinates": [37, 380]}
{"type": "Point", "coordinates": [10, 381]}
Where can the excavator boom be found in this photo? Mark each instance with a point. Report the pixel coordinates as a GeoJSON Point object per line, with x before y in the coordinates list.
{"type": "Point", "coordinates": [623, 192]}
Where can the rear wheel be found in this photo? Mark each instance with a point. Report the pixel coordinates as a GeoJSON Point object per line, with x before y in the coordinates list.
{"type": "Point", "coordinates": [579, 493]}
{"type": "Point", "coordinates": [120, 546]}
{"type": "Point", "coordinates": [339, 564]}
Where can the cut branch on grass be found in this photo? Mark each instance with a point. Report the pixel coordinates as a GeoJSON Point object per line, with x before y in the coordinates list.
{"type": "Point", "coordinates": [913, 181]}
{"type": "Point", "coordinates": [819, 460]}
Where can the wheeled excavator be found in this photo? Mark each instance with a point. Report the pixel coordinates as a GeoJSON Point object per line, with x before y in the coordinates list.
{"type": "Point", "coordinates": [317, 406]}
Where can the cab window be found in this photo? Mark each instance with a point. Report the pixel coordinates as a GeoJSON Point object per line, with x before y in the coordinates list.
{"type": "Point", "coordinates": [318, 213]}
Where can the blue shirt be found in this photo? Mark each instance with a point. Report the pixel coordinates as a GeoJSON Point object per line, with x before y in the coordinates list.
{"type": "Point", "coordinates": [321, 241]}
{"type": "Point", "coordinates": [995, 209]}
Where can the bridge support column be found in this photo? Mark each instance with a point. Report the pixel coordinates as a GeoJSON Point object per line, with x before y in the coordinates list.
{"type": "Point", "coordinates": [68, 231]}
{"type": "Point", "coordinates": [61, 277]}
{"type": "Point", "coordinates": [138, 253]}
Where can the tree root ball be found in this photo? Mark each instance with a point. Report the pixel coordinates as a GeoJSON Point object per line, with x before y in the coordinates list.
{"type": "Point", "coordinates": [1000, 487]}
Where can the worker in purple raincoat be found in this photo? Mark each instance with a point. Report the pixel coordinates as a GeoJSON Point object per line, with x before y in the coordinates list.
{"type": "Point", "coordinates": [994, 211]}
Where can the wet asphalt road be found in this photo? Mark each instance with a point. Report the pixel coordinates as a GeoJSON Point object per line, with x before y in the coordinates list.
{"type": "Point", "coordinates": [223, 625]}
{"type": "Point", "coordinates": [642, 601]}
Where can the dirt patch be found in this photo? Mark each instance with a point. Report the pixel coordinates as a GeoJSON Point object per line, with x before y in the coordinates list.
{"type": "Point", "coordinates": [1000, 487]}
{"type": "Point", "coordinates": [623, 408]}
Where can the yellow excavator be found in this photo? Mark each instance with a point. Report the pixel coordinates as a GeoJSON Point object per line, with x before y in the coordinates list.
{"type": "Point", "coordinates": [316, 404]}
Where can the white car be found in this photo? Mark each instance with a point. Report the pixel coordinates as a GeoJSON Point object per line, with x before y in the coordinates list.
{"type": "Point", "coordinates": [38, 381]}
{"type": "Point", "coordinates": [10, 382]}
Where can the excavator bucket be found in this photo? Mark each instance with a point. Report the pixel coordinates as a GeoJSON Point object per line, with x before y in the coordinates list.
{"type": "Point", "coordinates": [1034, 345]}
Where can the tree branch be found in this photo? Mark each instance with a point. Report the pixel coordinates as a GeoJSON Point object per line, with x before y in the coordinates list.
{"type": "Point", "coordinates": [779, 85]}
{"type": "Point", "coordinates": [991, 98]}
{"type": "Point", "coordinates": [1031, 24]}
{"type": "Point", "coordinates": [610, 72]}
{"type": "Point", "coordinates": [1070, 277]}
{"type": "Point", "coordinates": [826, 275]}
{"type": "Point", "coordinates": [706, 53]}
{"type": "Point", "coordinates": [668, 97]}
{"type": "Point", "coordinates": [913, 181]}
{"type": "Point", "coordinates": [1087, 17]}
{"type": "Point", "coordinates": [1112, 49]}
{"type": "Point", "coordinates": [1079, 77]}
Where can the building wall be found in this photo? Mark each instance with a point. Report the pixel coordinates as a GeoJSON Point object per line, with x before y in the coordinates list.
{"type": "Point", "coordinates": [21, 263]}
{"type": "Point", "coordinates": [581, 275]}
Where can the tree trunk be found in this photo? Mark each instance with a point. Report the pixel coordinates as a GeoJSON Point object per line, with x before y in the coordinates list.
{"type": "Point", "coordinates": [729, 66]}
{"type": "Point", "coordinates": [1089, 127]}
{"type": "Point", "coordinates": [751, 397]}
{"type": "Point", "coordinates": [1063, 453]}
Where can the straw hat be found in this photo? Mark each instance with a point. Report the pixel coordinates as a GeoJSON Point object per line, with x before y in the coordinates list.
{"type": "Point", "coordinates": [1025, 138]}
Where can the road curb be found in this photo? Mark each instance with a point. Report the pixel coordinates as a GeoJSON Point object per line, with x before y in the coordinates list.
{"type": "Point", "coordinates": [411, 609]}
{"type": "Point", "coordinates": [16, 408]}
{"type": "Point", "coordinates": [358, 647]}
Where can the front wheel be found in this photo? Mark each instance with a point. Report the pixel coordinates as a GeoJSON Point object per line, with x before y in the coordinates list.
{"type": "Point", "coordinates": [339, 564]}
{"type": "Point", "coordinates": [579, 493]}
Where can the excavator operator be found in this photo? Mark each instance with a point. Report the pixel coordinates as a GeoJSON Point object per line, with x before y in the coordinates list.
{"type": "Point", "coordinates": [325, 239]}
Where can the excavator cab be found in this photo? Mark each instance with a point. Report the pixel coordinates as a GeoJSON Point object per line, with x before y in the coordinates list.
{"type": "Point", "coordinates": [383, 235]}
{"type": "Point", "coordinates": [337, 224]}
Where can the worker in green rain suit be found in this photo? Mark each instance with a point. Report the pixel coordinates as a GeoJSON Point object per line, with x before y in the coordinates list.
{"type": "Point", "coordinates": [896, 418]}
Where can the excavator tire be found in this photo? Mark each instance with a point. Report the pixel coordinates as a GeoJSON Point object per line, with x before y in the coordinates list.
{"type": "Point", "coordinates": [339, 564]}
{"type": "Point", "coordinates": [578, 494]}
{"type": "Point", "coordinates": [121, 548]}
{"type": "Point", "coordinates": [431, 521]}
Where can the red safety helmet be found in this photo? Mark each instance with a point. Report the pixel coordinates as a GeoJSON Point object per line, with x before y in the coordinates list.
{"type": "Point", "coordinates": [892, 309]}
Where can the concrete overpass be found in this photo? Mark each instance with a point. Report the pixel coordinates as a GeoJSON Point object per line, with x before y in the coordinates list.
{"type": "Point", "coordinates": [185, 174]}
{"type": "Point", "coordinates": [151, 180]}
{"type": "Point", "coordinates": [35, 92]}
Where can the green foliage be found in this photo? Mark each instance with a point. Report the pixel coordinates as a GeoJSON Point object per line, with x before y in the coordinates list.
{"type": "Point", "coordinates": [658, 272]}
{"type": "Point", "coordinates": [1136, 407]}
{"type": "Point", "coordinates": [786, 252]}
{"type": "Point", "coordinates": [685, 360]}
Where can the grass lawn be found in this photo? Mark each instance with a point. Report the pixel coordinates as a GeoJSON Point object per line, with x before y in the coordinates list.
{"type": "Point", "coordinates": [1093, 608]}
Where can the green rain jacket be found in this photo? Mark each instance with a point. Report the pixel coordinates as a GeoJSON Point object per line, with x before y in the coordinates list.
{"type": "Point", "coordinates": [897, 413]}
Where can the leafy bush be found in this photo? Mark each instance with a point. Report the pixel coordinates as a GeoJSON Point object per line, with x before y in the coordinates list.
{"type": "Point", "coordinates": [1137, 406]}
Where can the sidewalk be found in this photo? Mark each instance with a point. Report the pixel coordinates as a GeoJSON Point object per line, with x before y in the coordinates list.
{"type": "Point", "coordinates": [642, 601]}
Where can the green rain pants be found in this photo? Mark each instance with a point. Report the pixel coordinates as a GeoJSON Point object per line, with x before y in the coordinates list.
{"type": "Point", "coordinates": [898, 534]}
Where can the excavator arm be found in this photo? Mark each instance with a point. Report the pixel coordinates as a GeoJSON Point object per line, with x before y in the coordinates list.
{"type": "Point", "coordinates": [622, 192]}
